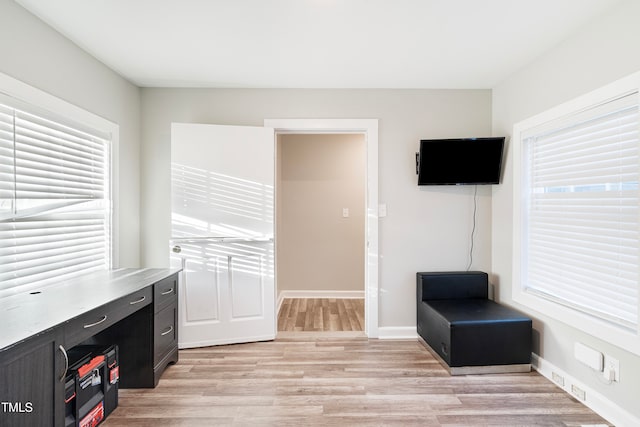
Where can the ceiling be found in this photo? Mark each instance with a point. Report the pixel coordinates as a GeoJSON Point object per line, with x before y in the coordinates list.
{"type": "Point", "coordinates": [317, 43]}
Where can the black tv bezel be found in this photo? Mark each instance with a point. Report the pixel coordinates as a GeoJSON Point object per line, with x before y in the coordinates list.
{"type": "Point", "coordinates": [419, 155]}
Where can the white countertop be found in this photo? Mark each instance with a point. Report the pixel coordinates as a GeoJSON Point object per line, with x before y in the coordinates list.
{"type": "Point", "coordinates": [26, 315]}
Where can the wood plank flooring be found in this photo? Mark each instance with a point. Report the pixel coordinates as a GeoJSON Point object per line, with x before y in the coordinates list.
{"type": "Point", "coordinates": [321, 314]}
{"type": "Point", "coordinates": [339, 382]}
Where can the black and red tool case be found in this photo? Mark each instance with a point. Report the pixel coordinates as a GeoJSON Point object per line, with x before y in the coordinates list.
{"type": "Point", "coordinates": [91, 384]}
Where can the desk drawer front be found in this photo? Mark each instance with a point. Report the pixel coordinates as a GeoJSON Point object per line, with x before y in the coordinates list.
{"type": "Point", "coordinates": [95, 321]}
{"type": "Point", "coordinates": [165, 292]}
{"type": "Point", "coordinates": [165, 332]}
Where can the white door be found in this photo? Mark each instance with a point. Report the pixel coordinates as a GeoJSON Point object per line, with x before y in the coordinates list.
{"type": "Point", "coordinates": [222, 225]}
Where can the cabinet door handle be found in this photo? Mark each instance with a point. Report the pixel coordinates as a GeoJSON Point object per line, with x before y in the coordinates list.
{"type": "Point", "coordinates": [91, 325]}
{"type": "Point", "coordinates": [168, 331]}
{"type": "Point", "coordinates": [66, 362]}
{"type": "Point", "coordinates": [167, 292]}
{"type": "Point", "coordinates": [138, 301]}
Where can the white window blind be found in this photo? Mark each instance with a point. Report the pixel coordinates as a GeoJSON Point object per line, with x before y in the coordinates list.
{"type": "Point", "coordinates": [55, 213]}
{"type": "Point", "coordinates": [581, 211]}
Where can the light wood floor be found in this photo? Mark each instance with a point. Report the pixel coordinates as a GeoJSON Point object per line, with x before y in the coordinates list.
{"type": "Point", "coordinates": [340, 382]}
{"type": "Point", "coordinates": [321, 314]}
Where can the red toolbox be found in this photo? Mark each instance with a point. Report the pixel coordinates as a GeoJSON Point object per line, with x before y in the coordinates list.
{"type": "Point", "coordinates": [91, 385]}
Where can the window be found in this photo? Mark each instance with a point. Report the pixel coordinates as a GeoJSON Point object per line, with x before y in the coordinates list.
{"type": "Point", "coordinates": [55, 208]}
{"type": "Point", "coordinates": [578, 212]}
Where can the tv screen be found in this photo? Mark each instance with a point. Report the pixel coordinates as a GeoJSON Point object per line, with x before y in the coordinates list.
{"type": "Point", "coordinates": [460, 161]}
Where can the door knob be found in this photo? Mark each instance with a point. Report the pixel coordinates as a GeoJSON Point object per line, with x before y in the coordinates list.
{"type": "Point", "coordinates": [177, 249]}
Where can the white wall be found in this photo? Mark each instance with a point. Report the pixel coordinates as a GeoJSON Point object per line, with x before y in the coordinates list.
{"type": "Point", "coordinates": [34, 53]}
{"type": "Point", "coordinates": [317, 248]}
{"type": "Point", "coordinates": [600, 53]}
{"type": "Point", "coordinates": [426, 228]}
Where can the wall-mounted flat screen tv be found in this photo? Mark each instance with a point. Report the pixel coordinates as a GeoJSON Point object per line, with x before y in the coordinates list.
{"type": "Point", "coordinates": [461, 161]}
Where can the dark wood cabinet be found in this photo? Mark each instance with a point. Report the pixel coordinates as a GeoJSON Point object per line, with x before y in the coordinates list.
{"type": "Point", "coordinates": [135, 309]}
{"type": "Point", "coordinates": [165, 329]}
{"type": "Point", "coordinates": [165, 341]}
{"type": "Point", "coordinates": [31, 391]}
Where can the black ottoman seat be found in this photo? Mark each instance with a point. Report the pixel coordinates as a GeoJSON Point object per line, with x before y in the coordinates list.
{"type": "Point", "coordinates": [468, 332]}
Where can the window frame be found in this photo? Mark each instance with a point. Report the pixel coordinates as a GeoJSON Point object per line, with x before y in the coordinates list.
{"type": "Point", "coordinates": [55, 106]}
{"type": "Point", "coordinates": [606, 331]}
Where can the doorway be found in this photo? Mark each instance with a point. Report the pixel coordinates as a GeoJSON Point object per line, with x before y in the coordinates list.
{"type": "Point", "coordinates": [320, 222]}
{"type": "Point", "coordinates": [367, 129]}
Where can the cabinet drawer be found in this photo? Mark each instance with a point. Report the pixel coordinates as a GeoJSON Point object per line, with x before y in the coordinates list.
{"type": "Point", "coordinates": [94, 321]}
{"type": "Point", "coordinates": [165, 332]}
{"type": "Point", "coordinates": [165, 292]}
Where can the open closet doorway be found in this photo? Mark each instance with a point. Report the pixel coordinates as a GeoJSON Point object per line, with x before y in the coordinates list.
{"type": "Point", "coordinates": [320, 232]}
{"type": "Point", "coordinates": [367, 128]}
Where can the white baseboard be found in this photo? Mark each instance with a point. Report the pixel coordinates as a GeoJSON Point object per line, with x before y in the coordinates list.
{"type": "Point", "coordinates": [318, 294]}
{"type": "Point", "coordinates": [397, 333]}
{"type": "Point", "coordinates": [595, 401]}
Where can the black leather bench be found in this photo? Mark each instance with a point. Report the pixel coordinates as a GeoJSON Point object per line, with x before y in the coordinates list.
{"type": "Point", "coordinates": [468, 332]}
